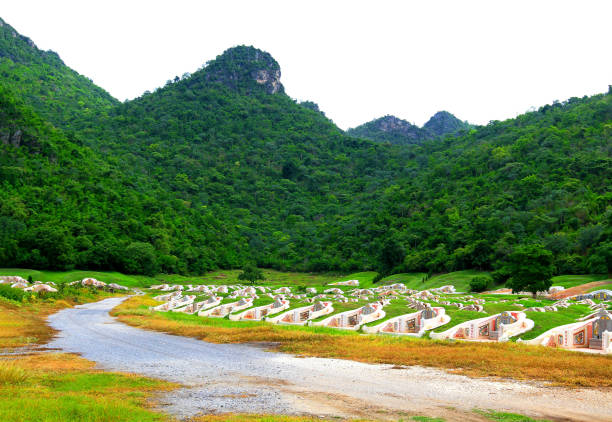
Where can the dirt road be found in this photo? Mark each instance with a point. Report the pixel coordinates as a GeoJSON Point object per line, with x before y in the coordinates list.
{"type": "Point", "coordinates": [243, 378]}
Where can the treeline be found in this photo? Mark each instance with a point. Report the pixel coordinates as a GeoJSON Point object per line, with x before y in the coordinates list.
{"type": "Point", "coordinates": [201, 175]}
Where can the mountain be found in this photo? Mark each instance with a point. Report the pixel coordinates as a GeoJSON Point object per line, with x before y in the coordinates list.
{"type": "Point", "coordinates": [56, 92]}
{"type": "Point", "coordinates": [245, 68]}
{"type": "Point", "coordinates": [223, 168]}
{"type": "Point", "coordinates": [397, 131]}
{"type": "Point", "coordinates": [390, 129]}
{"type": "Point", "coordinates": [444, 123]}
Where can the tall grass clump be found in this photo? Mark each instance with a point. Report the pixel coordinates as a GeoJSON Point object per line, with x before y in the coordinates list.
{"type": "Point", "coordinates": [12, 375]}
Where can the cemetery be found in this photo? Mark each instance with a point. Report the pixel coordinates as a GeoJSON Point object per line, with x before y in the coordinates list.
{"type": "Point", "coordinates": [580, 322]}
{"type": "Point", "coordinates": [439, 313]}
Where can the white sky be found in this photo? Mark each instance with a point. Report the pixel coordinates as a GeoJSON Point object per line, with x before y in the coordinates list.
{"type": "Point", "coordinates": [480, 60]}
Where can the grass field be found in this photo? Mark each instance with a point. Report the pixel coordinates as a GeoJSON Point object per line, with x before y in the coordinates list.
{"type": "Point", "coordinates": [272, 278]}
{"type": "Point", "coordinates": [568, 281]}
{"type": "Point", "coordinates": [459, 279]}
{"type": "Point", "coordinates": [508, 360]}
{"type": "Point", "coordinates": [544, 321]}
{"type": "Point", "coordinates": [63, 387]}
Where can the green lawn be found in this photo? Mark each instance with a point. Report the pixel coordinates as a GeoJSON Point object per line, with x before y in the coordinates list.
{"type": "Point", "coordinates": [608, 286]}
{"type": "Point", "coordinates": [68, 276]}
{"type": "Point", "coordinates": [458, 316]}
{"type": "Point", "coordinates": [396, 308]}
{"type": "Point", "coordinates": [365, 278]}
{"type": "Point", "coordinates": [273, 278]}
{"type": "Point", "coordinates": [342, 307]}
{"type": "Point", "coordinates": [544, 321]}
{"type": "Point", "coordinates": [459, 279]}
{"type": "Point", "coordinates": [507, 417]}
{"type": "Point", "coordinates": [568, 281]}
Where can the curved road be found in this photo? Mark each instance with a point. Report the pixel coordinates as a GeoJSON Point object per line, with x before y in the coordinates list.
{"type": "Point", "coordinates": [242, 378]}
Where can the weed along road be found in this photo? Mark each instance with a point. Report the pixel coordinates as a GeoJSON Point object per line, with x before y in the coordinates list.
{"type": "Point", "coordinates": [247, 379]}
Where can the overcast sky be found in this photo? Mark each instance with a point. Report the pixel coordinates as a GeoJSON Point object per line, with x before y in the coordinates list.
{"type": "Point", "coordinates": [480, 60]}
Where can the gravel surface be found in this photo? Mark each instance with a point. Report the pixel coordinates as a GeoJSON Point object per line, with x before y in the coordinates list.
{"type": "Point", "coordinates": [243, 378]}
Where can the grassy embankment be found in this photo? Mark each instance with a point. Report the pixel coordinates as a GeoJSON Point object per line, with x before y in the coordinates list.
{"type": "Point", "coordinates": [507, 360]}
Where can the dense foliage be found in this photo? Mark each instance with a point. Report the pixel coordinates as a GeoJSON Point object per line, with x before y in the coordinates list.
{"type": "Point", "coordinates": [41, 79]}
{"type": "Point", "coordinates": [530, 268]}
{"type": "Point", "coordinates": [480, 284]}
{"type": "Point", "coordinates": [251, 274]}
{"type": "Point", "coordinates": [220, 168]}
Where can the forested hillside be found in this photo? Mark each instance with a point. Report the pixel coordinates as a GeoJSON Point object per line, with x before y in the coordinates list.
{"type": "Point", "coordinates": [64, 206]}
{"type": "Point", "coordinates": [41, 78]}
{"type": "Point", "coordinates": [221, 168]}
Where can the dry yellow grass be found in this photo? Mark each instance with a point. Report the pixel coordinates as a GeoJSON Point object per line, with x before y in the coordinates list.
{"type": "Point", "coordinates": [506, 360]}
{"type": "Point", "coordinates": [52, 362]}
{"type": "Point", "coordinates": [22, 324]}
{"type": "Point", "coordinates": [25, 324]}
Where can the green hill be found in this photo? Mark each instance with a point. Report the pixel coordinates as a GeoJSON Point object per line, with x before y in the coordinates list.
{"type": "Point", "coordinates": [222, 167]}
{"type": "Point", "coordinates": [42, 80]}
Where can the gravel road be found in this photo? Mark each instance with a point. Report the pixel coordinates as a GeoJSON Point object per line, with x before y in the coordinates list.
{"type": "Point", "coordinates": [247, 379]}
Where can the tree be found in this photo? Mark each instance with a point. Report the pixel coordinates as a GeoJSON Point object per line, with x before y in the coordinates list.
{"type": "Point", "coordinates": [251, 274]}
{"type": "Point", "coordinates": [139, 258]}
{"type": "Point", "coordinates": [479, 284]}
{"type": "Point", "coordinates": [391, 255]}
{"type": "Point", "coordinates": [530, 268]}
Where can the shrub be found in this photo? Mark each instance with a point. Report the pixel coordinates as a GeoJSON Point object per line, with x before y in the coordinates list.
{"type": "Point", "coordinates": [13, 294]}
{"type": "Point", "coordinates": [479, 284]}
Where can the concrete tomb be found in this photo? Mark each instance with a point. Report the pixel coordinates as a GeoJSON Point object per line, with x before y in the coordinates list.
{"type": "Point", "coordinates": [594, 334]}
{"type": "Point", "coordinates": [221, 311]}
{"type": "Point", "coordinates": [353, 319]}
{"type": "Point", "coordinates": [260, 312]}
{"type": "Point", "coordinates": [498, 327]}
{"type": "Point", "coordinates": [175, 302]}
{"type": "Point", "coordinates": [300, 316]}
{"type": "Point", "coordinates": [413, 324]}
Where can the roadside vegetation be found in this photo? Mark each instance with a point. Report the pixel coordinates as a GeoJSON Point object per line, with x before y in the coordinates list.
{"type": "Point", "coordinates": [64, 387]}
{"type": "Point", "coordinates": [23, 315]}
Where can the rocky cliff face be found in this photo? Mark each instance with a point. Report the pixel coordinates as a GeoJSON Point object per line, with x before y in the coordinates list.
{"type": "Point", "coordinates": [397, 131]}
{"type": "Point", "coordinates": [245, 67]}
{"type": "Point", "coordinates": [393, 124]}
{"type": "Point", "coordinates": [390, 129]}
